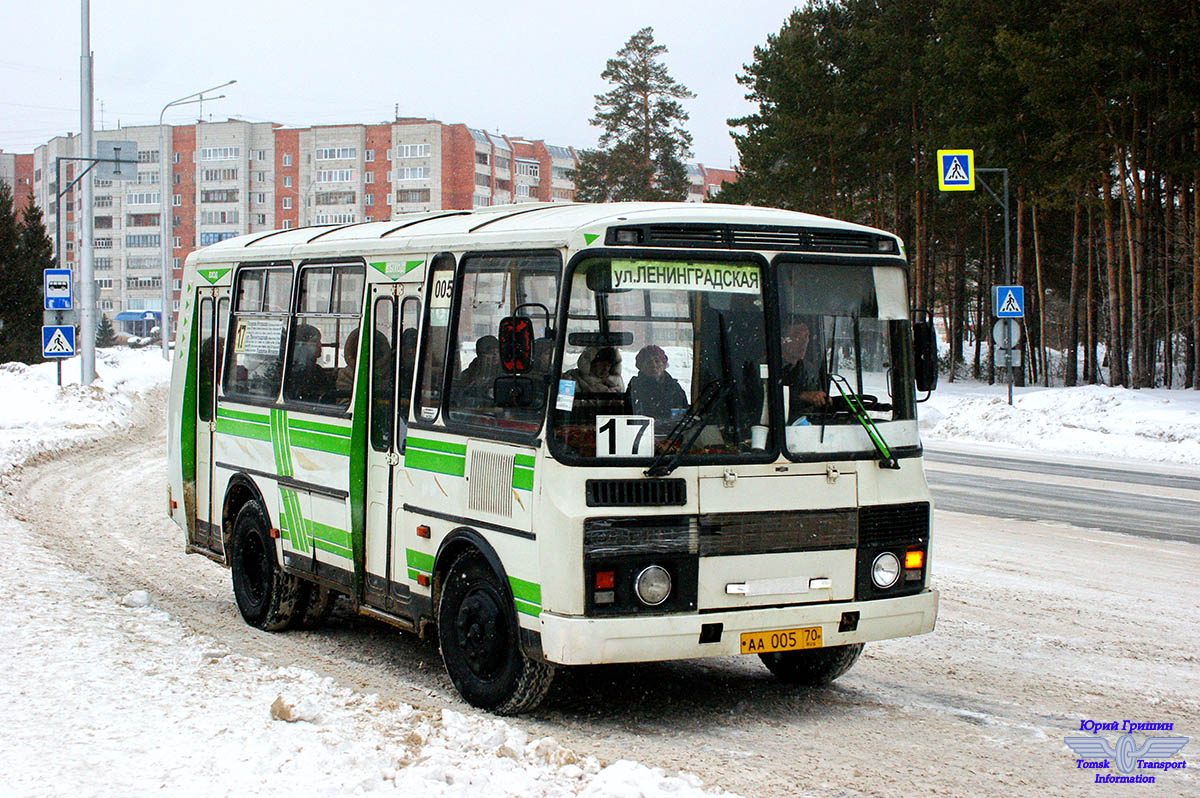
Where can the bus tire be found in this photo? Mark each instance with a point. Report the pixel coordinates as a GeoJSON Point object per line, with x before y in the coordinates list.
{"type": "Point", "coordinates": [316, 604]}
{"type": "Point", "coordinates": [478, 635]}
{"type": "Point", "coordinates": [267, 597]}
{"type": "Point", "coordinates": [812, 667]}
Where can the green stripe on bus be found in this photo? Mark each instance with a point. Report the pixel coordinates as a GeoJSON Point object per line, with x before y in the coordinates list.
{"type": "Point", "coordinates": [337, 551]}
{"type": "Point", "coordinates": [330, 534]}
{"type": "Point", "coordinates": [438, 463]}
{"type": "Point", "coordinates": [419, 560]}
{"type": "Point", "coordinates": [242, 415]}
{"type": "Point", "coordinates": [524, 460]}
{"type": "Point", "coordinates": [528, 609]}
{"type": "Point", "coordinates": [523, 478]}
{"type": "Point", "coordinates": [527, 591]}
{"type": "Point", "coordinates": [319, 442]}
{"type": "Point", "coordinates": [241, 429]}
{"type": "Point", "coordinates": [413, 574]}
{"type": "Point", "coordinates": [436, 446]}
{"type": "Point", "coordinates": [315, 426]}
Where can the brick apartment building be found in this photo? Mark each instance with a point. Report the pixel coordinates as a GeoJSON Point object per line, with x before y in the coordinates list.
{"type": "Point", "coordinates": [234, 177]}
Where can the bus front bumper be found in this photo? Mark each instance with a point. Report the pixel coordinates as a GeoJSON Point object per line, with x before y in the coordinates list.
{"type": "Point", "coordinates": [572, 640]}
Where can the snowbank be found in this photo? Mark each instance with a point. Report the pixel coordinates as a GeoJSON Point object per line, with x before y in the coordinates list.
{"type": "Point", "coordinates": [36, 416]}
{"type": "Point", "coordinates": [1150, 424]}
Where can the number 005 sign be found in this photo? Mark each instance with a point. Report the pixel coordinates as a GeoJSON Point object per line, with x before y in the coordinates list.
{"type": "Point", "coordinates": [624, 436]}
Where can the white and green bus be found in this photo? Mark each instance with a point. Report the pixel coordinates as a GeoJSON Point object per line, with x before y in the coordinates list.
{"type": "Point", "coordinates": [563, 434]}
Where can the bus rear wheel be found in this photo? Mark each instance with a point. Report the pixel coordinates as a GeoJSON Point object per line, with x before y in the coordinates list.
{"type": "Point", "coordinates": [812, 667]}
{"type": "Point", "coordinates": [267, 597]}
{"type": "Point", "coordinates": [477, 630]}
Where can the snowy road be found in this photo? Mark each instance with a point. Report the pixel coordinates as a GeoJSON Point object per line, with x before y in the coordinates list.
{"type": "Point", "coordinates": [1041, 626]}
{"type": "Point", "coordinates": [1152, 501]}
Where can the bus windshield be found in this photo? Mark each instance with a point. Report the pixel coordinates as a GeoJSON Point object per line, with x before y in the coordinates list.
{"type": "Point", "coordinates": [845, 340]}
{"type": "Point", "coordinates": [662, 358]}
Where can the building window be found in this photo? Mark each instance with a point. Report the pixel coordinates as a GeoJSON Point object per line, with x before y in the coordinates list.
{"type": "Point", "coordinates": [287, 203]}
{"type": "Point", "coordinates": [102, 223]}
{"type": "Point", "coordinates": [104, 283]}
{"type": "Point", "coordinates": [142, 198]}
{"type": "Point", "coordinates": [389, 155]}
{"type": "Point", "coordinates": [219, 195]}
{"type": "Point", "coordinates": [336, 153]}
{"type": "Point", "coordinates": [287, 224]}
{"type": "Point", "coordinates": [261, 155]}
{"type": "Point", "coordinates": [176, 200]}
{"type": "Point", "coordinates": [220, 153]}
{"type": "Point", "coordinates": [287, 159]}
{"type": "Point", "coordinates": [336, 197]}
{"type": "Point", "coordinates": [370, 199]}
{"type": "Point", "coordinates": [143, 240]}
{"type": "Point", "coordinates": [412, 151]}
{"type": "Point", "coordinates": [412, 173]}
{"type": "Point", "coordinates": [260, 198]}
{"type": "Point", "coordinates": [481, 202]}
{"type": "Point", "coordinates": [335, 175]}
{"type": "Point", "coordinates": [287, 181]}
{"type": "Point", "coordinates": [369, 155]}
{"type": "Point", "coordinates": [147, 156]}
{"type": "Point", "coordinates": [147, 178]}
{"type": "Point", "coordinates": [503, 162]}
{"type": "Point", "coordinates": [483, 180]}
{"type": "Point", "coordinates": [143, 220]}
{"type": "Point", "coordinates": [176, 221]}
{"type": "Point", "coordinates": [174, 157]}
{"type": "Point", "coordinates": [212, 238]}
{"type": "Point", "coordinates": [260, 218]}
{"type": "Point", "coordinates": [369, 177]}
{"type": "Point", "coordinates": [481, 158]}
{"type": "Point", "coordinates": [176, 263]}
{"type": "Point", "coordinates": [413, 195]}
{"type": "Point", "coordinates": [220, 174]}
{"type": "Point", "coordinates": [527, 169]}
{"type": "Point", "coordinates": [176, 242]}
{"type": "Point", "coordinates": [102, 264]}
{"type": "Point", "coordinates": [219, 217]}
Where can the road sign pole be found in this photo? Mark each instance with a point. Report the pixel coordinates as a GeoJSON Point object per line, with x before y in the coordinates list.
{"type": "Point", "coordinates": [1007, 255]}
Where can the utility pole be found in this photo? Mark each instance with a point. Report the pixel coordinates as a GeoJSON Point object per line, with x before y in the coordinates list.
{"type": "Point", "coordinates": [87, 280]}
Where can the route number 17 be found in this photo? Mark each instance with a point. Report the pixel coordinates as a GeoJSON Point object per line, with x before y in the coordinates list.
{"type": "Point", "coordinates": [624, 436]}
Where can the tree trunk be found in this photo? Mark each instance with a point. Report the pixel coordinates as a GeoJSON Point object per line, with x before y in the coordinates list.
{"type": "Point", "coordinates": [1043, 349]}
{"type": "Point", "coordinates": [1072, 365]}
{"type": "Point", "coordinates": [1093, 299]}
{"type": "Point", "coordinates": [1116, 356]}
{"type": "Point", "coordinates": [1196, 254]}
{"type": "Point", "coordinates": [1168, 256]}
{"type": "Point", "coordinates": [1019, 374]}
{"type": "Point", "coordinates": [1133, 231]}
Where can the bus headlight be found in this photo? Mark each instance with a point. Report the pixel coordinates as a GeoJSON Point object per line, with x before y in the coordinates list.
{"type": "Point", "coordinates": [885, 570]}
{"type": "Point", "coordinates": [653, 585]}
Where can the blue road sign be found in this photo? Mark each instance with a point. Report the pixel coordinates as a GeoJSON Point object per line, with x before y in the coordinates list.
{"type": "Point", "coordinates": [1009, 301]}
{"type": "Point", "coordinates": [58, 341]}
{"type": "Point", "coordinates": [956, 170]}
{"type": "Point", "coordinates": [56, 288]}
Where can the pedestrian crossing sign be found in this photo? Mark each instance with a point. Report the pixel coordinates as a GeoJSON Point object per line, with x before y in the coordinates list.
{"type": "Point", "coordinates": [956, 170]}
{"type": "Point", "coordinates": [58, 341]}
{"type": "Point", "coordinates": [1009, 301]}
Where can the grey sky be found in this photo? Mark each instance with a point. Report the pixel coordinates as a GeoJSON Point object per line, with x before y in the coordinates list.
{"type": "Point", "coordinates": [523, 67]}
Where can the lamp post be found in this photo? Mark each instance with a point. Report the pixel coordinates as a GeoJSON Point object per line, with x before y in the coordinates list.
{"type": "Point", "coordinates": [164, 227]}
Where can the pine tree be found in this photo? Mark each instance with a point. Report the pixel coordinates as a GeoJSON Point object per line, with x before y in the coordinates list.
{"type": "Point", "coordinates": [105, 334]}
{"type": "Point", "coordinates": [24, 286]}
{"type": "Point", "coordinates": [643, 145]}
{"type": "Point", "coordinates": [9, 325]}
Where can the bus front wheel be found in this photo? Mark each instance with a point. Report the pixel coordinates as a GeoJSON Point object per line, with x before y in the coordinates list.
{"type": "Point", "coordinates": [267, 597]}
{"type": "Point", "coordinates": [812, 667]}
{"type": "Point", "coordinates": [477, 629]}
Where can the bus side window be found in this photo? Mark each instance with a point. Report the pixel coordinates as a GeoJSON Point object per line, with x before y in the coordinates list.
{"type": "Point", "coordinates": [383, 371]}
{"type": "Point", "coordinates": [260, 320]}
{"type": "Point", "coordinates": [222, 329]}
{"type": "Point", "coordinates": [324, 345]}
{"type": "Point", "coordinates": [207, 356]}
{"type": "Point", "coordinates": [410, 311]}
{"type": "Point", "coordinates": [439, 293]}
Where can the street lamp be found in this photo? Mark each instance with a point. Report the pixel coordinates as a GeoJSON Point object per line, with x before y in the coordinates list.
{"type": "Point", "coordinates": [164, 329]}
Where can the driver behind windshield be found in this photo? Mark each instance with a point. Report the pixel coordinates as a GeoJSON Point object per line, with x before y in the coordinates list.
{"type": "Point", "coordinates": [804, 373]}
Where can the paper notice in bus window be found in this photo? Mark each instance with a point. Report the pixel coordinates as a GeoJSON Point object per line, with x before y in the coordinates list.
{"type": "Point", "coordinates": [729, 278]}
{"type": "Point", "coordinates": [566, 395]}
{"type": "Point", "coordinates": [259, 336]}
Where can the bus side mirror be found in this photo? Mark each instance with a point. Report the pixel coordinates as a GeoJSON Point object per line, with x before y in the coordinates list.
{"type": "Point", "coordinates": [516, 344]}
{"type": "Point", "coordinates": [925, 363]}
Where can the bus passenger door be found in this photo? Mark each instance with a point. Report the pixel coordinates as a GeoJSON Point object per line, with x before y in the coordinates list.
{"type": "Point", "coordinates": [382, 456]}
{"type": "Point", "coordinates": [212, 316]}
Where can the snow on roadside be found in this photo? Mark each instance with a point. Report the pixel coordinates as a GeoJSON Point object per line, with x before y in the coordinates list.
{"type": "Point", "coordinates": [106, 695]}
{"type": "Point", "coordinates": [38, 417]}
{"type": "Point", "coordinates": [1093, 420]}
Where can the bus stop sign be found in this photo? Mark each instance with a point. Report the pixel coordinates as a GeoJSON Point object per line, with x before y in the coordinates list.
{"type": "Point", "coordinates": [56, 289]}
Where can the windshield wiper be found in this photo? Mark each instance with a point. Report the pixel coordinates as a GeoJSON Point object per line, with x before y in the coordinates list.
{"type": "Point", "coordinates": [886, 460]}
{"type": "Point", "coordinates": [691, 425]}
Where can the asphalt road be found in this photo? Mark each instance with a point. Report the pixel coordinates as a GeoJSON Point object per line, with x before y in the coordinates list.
{"type": "Point", "coordinates": [1150, 501]}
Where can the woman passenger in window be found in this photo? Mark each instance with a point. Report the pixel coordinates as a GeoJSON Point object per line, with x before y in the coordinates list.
{"type": "Point", "coordinates": [597, 371]}
{"type": "Point", "coordinates": [654, 392]}
{"type": "Point", "coordinates": [307, 380]}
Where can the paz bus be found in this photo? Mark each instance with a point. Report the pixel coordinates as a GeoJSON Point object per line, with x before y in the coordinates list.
{"type": "Point", "coordinates": [561, 434]}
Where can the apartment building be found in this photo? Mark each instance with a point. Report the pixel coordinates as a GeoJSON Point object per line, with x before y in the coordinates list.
{"type": "Point", "coordinates": [233, 177]}
{"type": "Point", "coordinates": [17, 172]}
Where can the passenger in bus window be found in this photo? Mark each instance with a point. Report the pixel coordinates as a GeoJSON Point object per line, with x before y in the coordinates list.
{"type": "Point", "coordinates": [654, 392]}
{"type": "Point", "coordinates": [803, 371]}
{"type": "Point", "coordinates": [597, 371]}
{"type": "Point", "coordinates": [307, 380]}
{"type": "Point", "coordinates": [477, 379]}
{"type": "Point", "coordinates": [345, 375]}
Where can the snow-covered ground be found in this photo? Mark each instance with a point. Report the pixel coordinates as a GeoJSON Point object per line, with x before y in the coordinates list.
{"type": "Point", "coordinates": [105, 694]}
{"type": "Point", "coordinates": [1153, 425]}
